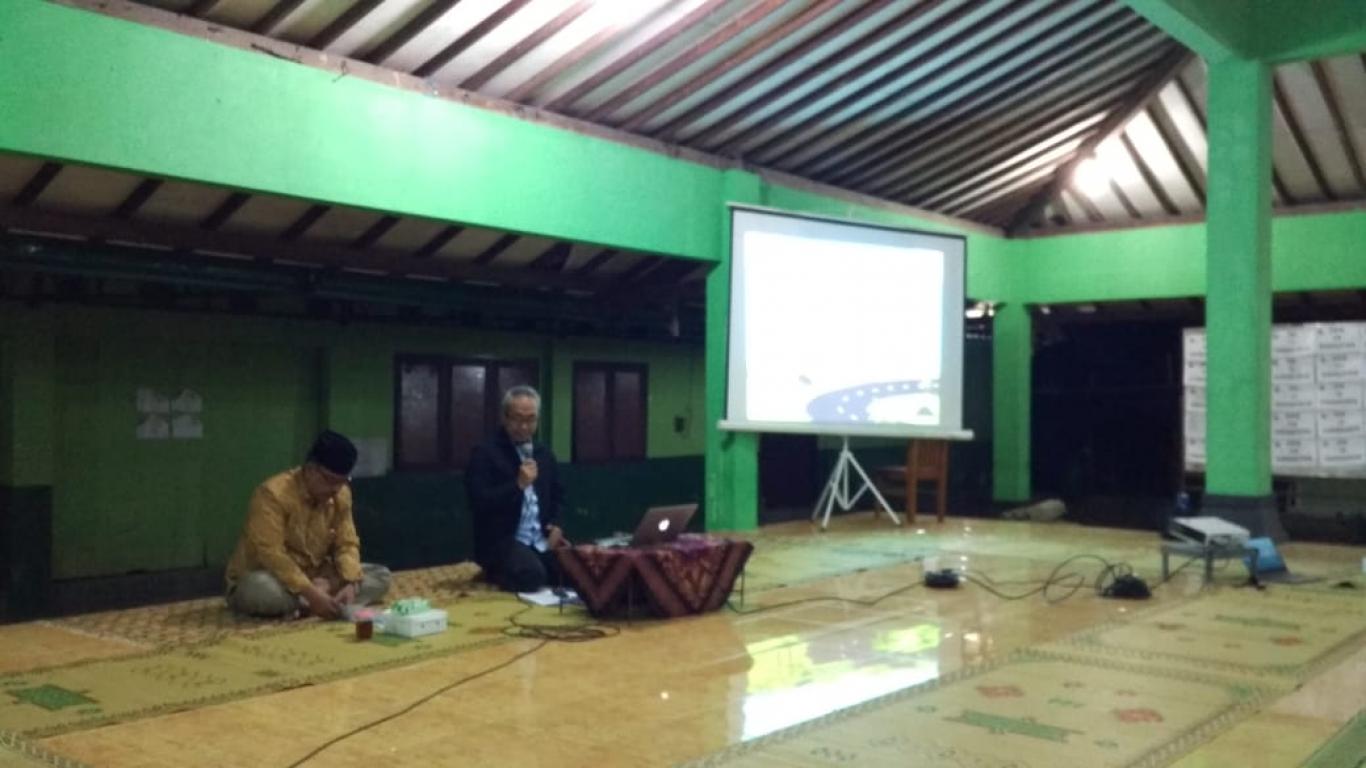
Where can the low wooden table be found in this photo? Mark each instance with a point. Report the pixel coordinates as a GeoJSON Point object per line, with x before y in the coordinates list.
{"type": "Point", "coordinates": [694, 574]}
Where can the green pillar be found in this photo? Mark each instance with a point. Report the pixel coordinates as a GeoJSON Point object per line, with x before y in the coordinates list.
{"type": "Point", "coordinates": [28, 416]}
{"type": "Point", "coordinates": [28, 406]}
{"type": "Point", "coordinates": [1238, 295]}
{"type": "Point", "coordinates": [732, 458]}
{"type": "Point", "coordinates": [1012, 370]}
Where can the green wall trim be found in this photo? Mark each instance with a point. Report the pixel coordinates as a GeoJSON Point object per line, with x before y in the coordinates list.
{"type": "Point", "coordinates": [1271, 31]}
{"type": "Point", "coordinates": [245, 120]}
{"type": "Point", "coordinates": [1314, 252]}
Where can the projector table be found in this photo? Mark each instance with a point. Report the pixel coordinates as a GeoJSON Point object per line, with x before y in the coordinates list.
{"type": "Point", "coordinates": [1209, 552]}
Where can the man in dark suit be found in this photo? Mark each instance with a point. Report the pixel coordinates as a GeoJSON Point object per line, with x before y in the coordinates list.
{"type": "Point", "coordinates": [515, 495]}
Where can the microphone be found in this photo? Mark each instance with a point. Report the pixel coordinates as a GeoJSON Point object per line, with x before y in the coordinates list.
{"type": "Point", "coordinates": [524, 450]}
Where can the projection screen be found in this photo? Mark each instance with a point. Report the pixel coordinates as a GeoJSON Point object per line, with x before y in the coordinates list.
{"type": "Point", "coordinates": [844, 328]}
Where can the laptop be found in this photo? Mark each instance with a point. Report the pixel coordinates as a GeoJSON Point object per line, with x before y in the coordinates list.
{"type": "Point", "coordinates": [659, 525]}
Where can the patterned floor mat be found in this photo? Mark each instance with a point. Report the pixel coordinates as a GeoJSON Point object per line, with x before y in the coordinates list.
{"type": "Point", "coordinates": [16, 752]}
{"type": "Point", "coordinates": [1035, 710]}
{"type": "Point", "coordinates": [1347, 749]}
{"type": "Point", "coordinates": [1234, 631]}
{"type": "Point", "coordinates": [44, 702]}
{"type": "Point", "coordinates": [195, 621]}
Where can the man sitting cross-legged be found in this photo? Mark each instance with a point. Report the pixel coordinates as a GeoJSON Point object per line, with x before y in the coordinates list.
{"type": "Point", "coordinates": [299, 553]}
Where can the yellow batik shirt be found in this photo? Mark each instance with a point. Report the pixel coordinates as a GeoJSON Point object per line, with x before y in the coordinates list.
{"type": "Point", "coordinates": [295, 539]}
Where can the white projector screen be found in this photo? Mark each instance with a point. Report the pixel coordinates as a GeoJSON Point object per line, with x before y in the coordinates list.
{"type": "Point", "coordinates": [844, 329]}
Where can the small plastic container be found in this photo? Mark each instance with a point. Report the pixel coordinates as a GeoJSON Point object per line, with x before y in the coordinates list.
{"type": "Point", "coordinates": [428, 622]}
{"type": "Point", "coordinates": [365, 629]}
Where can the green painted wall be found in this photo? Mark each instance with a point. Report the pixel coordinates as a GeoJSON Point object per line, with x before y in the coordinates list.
{"type": "Point", "coordinates": [240, 119]}
{"type": "Point", "coordinates": [674, 379]}
{"type": "Point", "coordinates": [120, 504]}
{"type": "Point", "coordinates": [27, 405]}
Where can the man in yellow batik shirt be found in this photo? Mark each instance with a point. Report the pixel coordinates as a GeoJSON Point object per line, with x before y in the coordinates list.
{"type": "Point", "coordinates": [299, 553]}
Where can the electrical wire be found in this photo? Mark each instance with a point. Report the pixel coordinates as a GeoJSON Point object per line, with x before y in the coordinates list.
{"type": "Point", "coordinates": [825, 599]}
{"type": "Point", "coordinates": [1071, 581]}
{"type": "Point", "coordinates": [545, 633]}
{"type": "Point", "coordinates": [444, 689]}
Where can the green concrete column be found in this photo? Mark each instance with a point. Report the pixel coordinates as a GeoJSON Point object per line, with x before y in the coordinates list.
{"type": "Point", "coordinates": [732, 458]}
{"type": "Point", "coordinates": [1238, 295]}
{"type": "Point", "coordinates": [1012, 372]}
{"type": "Point", "coordinates": [1238, 259]}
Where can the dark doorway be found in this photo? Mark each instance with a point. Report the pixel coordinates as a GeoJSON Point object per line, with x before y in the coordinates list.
{"type": "Point", "coordinates": [1106, 416]}
{"type": "Point", "coordinates": [788, 477]}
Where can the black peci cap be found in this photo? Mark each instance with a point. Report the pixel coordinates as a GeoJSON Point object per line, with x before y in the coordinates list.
{"type": "Point", "coordinates": [334, 452]}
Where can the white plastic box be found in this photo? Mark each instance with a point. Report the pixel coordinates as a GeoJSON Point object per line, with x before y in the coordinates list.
{"type": "Point", "coordinates": [428, 622]}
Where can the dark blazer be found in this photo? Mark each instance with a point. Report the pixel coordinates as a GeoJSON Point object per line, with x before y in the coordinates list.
{"type": "Point", "coordinates": [496, 501]}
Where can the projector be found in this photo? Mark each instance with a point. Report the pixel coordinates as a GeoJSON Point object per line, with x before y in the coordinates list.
{"type": "Point", "coordinates": [1209, 531]}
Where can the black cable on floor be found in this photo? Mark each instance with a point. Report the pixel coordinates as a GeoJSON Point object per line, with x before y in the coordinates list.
{"type": "Point", "coordinates": [356, 731]}
{"type": "Point", "coordinates": [546, 633]}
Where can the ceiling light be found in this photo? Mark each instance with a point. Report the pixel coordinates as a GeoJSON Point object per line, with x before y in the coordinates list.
{"type": "Point", "coordinates": [1091, 177]}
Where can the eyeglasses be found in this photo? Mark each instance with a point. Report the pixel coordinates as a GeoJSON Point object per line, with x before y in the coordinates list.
{"type": "Point", "coordinates": [515, 419]}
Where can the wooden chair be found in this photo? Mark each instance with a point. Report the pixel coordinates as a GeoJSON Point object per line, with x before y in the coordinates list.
{"type": "Point", "coordinates": [927, 460]}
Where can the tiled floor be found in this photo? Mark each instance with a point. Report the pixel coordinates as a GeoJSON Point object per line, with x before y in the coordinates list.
{"type": "Point", "coordinates": [667, 693]}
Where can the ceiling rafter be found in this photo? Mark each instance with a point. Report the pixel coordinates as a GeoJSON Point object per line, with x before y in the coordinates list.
{"type": "Point", "coordinates": [271, 19]}
{"type": "Point", "coordinates": [936, 153]}
{"type": "Point", "coordinates": [996, 165]}
{"type": "Point", "coordinates": [438, 241]}
{"type": "Point", "coordinates": [714, 40]}
{"type": "Point", "coordinates": [924, 183]}
{"type": "Point", "coordinates": [915, 148]}
{"type": "Point", "coordinates": [594, 264]}
{"type": "Point", "coordinates": [476, 33]}
{"type": "Point", "coordinates": [883, 32]}
{"type": "Point", "coordinates": [1333, 101]}
{"type": "Point", "coordinates": [566, 101]}
{"type": "Point", "coordinates": [163, 237]}
{"type": "Point", "coordinates": [38, 182]}
{"type": "Point", "coordinates": [1292, 123]}
{"type": "Point", "coordinates": [756, 47]}
{"type": "Point", "coordinates": [670, 130]}
{"type": "Point", "coordinates": [526, 45]}
{"type": "Point", "coordinates": [201, 7]}
{"type": "Point", "coordinates": [1160, 192]}
{"type": "Point", "coordinates": [983, 71]}
{"type": "Point", "coordinates": [1167, 68]}
{"type": "Point", "coordinates": [136, 199]}
{"type": "Point", "coordinates": [572, 58]}
{"type": "Point", "coordinates": [225, 210]}
{"type": "Point", "coordinates": [305, 222]}
{"type": "Point", "coordinates": [343, 23]}
{"type": "Point", "coordinates": [1186, 165]}
{"type": "Point", "coordinates": [496, 249]}
{"type": "Point", "coordinates": [912, 67]}
{"type": "Point", "coordinates": [375, 232]}
{"type": "Point", "coordinates": [554, 258]}
{"type": "Point", "coordinates": [410, 29]}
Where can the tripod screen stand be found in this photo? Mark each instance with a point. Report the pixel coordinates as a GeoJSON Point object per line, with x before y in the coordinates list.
{"type": "Point", "coordinates": [837, 489]}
